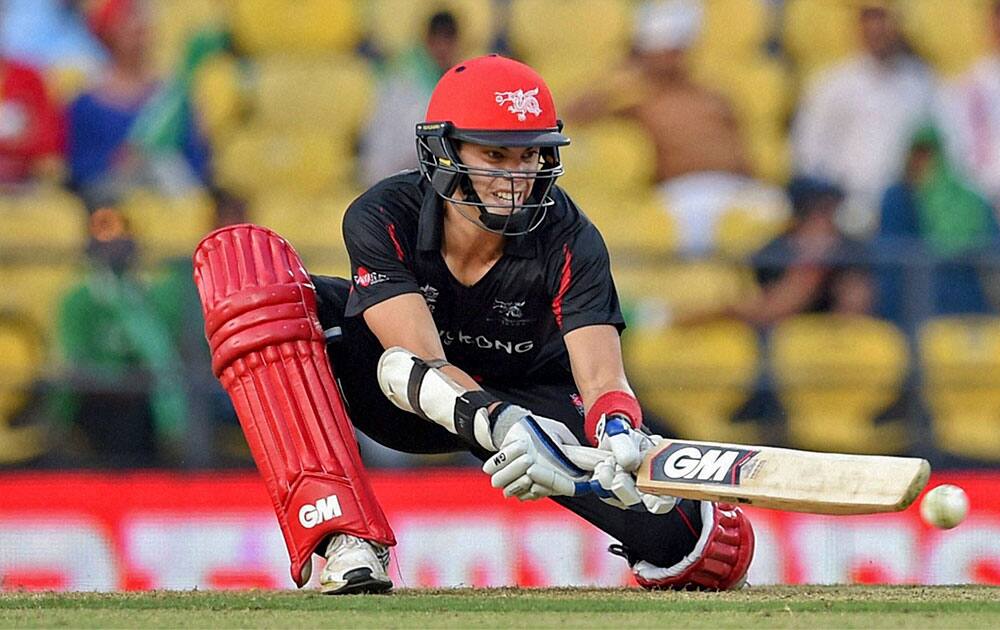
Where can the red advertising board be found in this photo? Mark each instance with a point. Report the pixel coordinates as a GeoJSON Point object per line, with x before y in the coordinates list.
{"type": "Point", "coordinates": [167, 530]}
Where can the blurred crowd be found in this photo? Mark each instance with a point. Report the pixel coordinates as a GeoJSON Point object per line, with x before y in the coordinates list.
{"type": "Point", "coordinates": [779, 181]}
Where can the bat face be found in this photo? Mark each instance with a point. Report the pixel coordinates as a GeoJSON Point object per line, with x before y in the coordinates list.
{"type": "Point", "coordinates": [692, 462]}
{"type": "Point", "coordinates": [784, 479]}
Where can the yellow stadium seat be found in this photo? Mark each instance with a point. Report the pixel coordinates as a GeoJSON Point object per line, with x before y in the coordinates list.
{"type": "Point", "coordinates": [572, 43]}
{"type": "Point", "coordinates": [683, 288]}
{"type": "Point", "coordinates": [615, 154]}
{"type": "Point", "coordinates": [631, 224]}
{"type": "Point", "coordinates": [951, 35]}
{"type": "Point", "coordinates": [175, 21]}
{"type": "Point", "coordinates": [834, 375]}
{"type": "Point", "coordinates": [743, 230]}
{"type": "Point", "coordinates": [733, 30]}
{"type": "Point", "coordinates": [576, 74]}
{"type": "Point", "coordinates": [770, 153]}
{"type": "Point", "coordinates": [311, 224]}
{"type": "Point", "coordinates": [759, 88]}
{"type": "Point", "coordinates": [396, 25]}
{"type": "Point", "coordinates": [696, 377]}
{"type": "Point", "coordinates": [22, 349]}
{"type": "Point", "coordinates": [331, 95]}
{"type": "Point", "coordinates": [46, 222]}
{"type": "Point", "coordinates": [544, 29]}
{"type": "Point", "coordinates": [297, 27]}
{"type": "Point", "coordinates": [818, 33]}
{"type": "Point", "coordinates": [218, 96]}
{"type": "Point", "coordinates": [257, 159]}
{"type": "Point", "coordinates": [961, 359]}
{"type": "Point", "coordinates": [35, 289]}
{"type": "Point", "coordinates": [166, 226]}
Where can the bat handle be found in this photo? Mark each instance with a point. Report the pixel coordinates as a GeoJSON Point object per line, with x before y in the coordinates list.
{"type": "Point", "coordinates": [587, 458]}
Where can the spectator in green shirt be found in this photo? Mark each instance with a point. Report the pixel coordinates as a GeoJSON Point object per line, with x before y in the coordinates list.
{"type": "Point", "coordinates": [124, 375]}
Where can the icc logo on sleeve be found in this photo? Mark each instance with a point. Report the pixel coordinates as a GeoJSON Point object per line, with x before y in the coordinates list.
{"type": "Point", "coordinates": [364, 278]}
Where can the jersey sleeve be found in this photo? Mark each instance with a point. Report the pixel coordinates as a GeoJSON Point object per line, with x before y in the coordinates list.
{"type": "Point", "coordinates": [381, 259]}
{"type": "Point", "coordinates": [582, 288]}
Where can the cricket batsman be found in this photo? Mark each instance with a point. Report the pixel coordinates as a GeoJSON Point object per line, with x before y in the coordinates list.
{"type": "Point", "coordinates": [481, 316]}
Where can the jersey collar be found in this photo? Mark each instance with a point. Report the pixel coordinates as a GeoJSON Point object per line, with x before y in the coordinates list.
{"type": "Point", "coordinates": [431, 224]}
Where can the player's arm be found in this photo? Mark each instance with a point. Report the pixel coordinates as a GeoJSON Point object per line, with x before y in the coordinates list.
{"type": "Point", "coordinates": [404, 321]}
{"type": "Point", "coordinates": [393, 309]}
{"type": "Point", "coordinates": [595, 356]}
{"type": "Point", "coordinates": [529, 462]}
{"type": "Point", "coordinates": [415, 376]}
{"type": "Point", "coordinates": [613, 416]}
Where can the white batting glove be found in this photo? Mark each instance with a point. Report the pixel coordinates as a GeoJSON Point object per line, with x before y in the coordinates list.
{"type": "Point", "coordinates": [617, 488]}
{"type": "Point", "coordinates": [626, 445]}
{"type": "Point", "coordinates": [529, 463]}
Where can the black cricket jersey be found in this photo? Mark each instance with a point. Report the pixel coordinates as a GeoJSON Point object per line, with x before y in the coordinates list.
{"type": "Point", "coordinates": [508, 327]}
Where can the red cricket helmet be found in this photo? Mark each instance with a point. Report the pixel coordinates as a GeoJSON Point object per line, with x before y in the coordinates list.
{"type": "Point", "coordinates": [492, 101]}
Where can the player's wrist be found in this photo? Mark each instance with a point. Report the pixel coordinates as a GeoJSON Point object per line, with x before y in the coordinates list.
{"type": "Point", "coordinates": [616, 403]}
{"type": "Point", "coordinates": [473, 419]}
{"type": "Point", "coordinates": [502, 419]}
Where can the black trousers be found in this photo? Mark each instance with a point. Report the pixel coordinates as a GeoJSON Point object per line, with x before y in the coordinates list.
{"type": "Point", "coordinates": [662, 540]}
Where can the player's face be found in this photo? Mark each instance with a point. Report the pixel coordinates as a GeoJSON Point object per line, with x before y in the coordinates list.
{"type": "Point", "coordinates": [502, 191]}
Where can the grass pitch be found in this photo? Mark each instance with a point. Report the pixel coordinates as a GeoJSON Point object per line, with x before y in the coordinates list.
{"type": "Point", "coordinates": [619, 609]}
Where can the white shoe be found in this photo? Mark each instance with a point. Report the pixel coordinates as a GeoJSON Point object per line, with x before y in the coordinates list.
{"type": "Point", "coordinates": [354, 565]}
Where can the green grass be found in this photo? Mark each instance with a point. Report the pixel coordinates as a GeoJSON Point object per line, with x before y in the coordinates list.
{"type": "Point", "coordinates": [608, 609]}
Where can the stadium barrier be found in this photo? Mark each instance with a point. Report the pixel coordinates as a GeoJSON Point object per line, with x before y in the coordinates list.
{"type": "Point", "coordinates": [81, 531]}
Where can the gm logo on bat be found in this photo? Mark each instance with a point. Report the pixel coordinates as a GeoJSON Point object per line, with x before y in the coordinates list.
{"type": "Point", "coordinates": [700, 463]}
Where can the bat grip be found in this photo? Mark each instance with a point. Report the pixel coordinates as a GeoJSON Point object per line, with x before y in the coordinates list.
{"type": "Point", "coordinates": [586, 458]}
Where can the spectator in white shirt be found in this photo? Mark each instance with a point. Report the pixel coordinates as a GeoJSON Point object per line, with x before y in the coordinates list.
{"type": "Point", "coordinates": [855, 120]}
{"type": "Point", "coordinates": [969, 119]}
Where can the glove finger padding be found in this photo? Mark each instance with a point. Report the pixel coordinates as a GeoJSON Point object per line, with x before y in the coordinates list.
{"type": "Point", "coordinates": [627, 445]}
{"type": "Point", "coordinates": [626, 450]}
{"type": "Point", "coordinates": [530, 463]}
{"type": "Point", "coordinates": [619, 489]}
{"type": "Point", "coordinates": [508, 464]}
{"type": "Point", "coordinates": [547, 478]}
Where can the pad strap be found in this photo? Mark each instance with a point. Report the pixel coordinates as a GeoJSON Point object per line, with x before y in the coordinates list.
{"type": "Point", "coordinates": [467, 407]}
{"type": "Point", "coordinates": [417, 374]}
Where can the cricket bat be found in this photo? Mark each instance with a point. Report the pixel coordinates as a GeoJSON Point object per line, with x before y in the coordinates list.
{"type": "Point", "coordinates": [775, 478]}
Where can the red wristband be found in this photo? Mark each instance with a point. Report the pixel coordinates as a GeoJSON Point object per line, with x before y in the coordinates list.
{"type": "Point", "coordinates": [609, 403]}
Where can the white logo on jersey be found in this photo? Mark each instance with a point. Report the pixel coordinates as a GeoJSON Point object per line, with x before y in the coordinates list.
{"type": "Point", "coordinates": [485, 343]}
{"type": "Point", "coordinates": [311, 515]}
{"type": "Point", "coordinates": [430, 296]}
{"type": "Point", "coordinates": [521, 103]}
{"type": "Point", "coordinates": [364, 278]}
{"type": "Point", "coordinates": [512, 310]}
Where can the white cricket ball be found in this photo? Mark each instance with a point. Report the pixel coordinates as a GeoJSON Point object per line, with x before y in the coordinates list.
{"type": "Point", "coordinates": [945, 506]}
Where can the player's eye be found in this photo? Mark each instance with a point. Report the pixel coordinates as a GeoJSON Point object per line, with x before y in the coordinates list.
{"type": "Point", "coordinates": [531, 155]}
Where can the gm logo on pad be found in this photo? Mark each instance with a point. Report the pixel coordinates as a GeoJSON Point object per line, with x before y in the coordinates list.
{"type": "Point", "coordinates": [700, 463]}
{"type": "Point", "coordinates": [325, 509]}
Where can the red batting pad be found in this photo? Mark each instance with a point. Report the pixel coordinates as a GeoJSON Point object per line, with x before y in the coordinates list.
{"type": "Point", "coordinates": [269, 353]}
